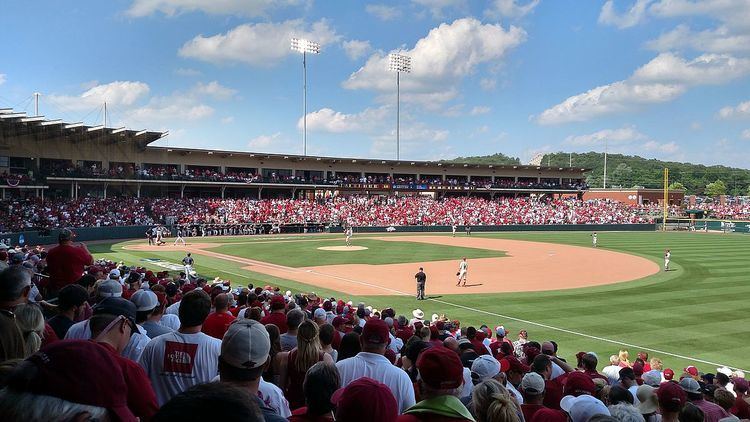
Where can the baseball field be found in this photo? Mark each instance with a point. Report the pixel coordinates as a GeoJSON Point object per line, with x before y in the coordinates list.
{"type": "Point", "coordinates": [553, 284]}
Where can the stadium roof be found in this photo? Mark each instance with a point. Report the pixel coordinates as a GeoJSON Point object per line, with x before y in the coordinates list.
{"type": "Point", "coordinates": [334, 160]}
{"type": "Point", "coordinates": [16, 123]}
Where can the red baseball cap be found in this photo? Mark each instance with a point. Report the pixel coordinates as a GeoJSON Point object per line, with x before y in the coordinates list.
{"type": "Point", "coordinates": [578, 384]}
{"type": "Point", "coordinates": [516, 365]}
{"type": "Point", "coordinates": [277, 302]}
{"type": "Point", "coordinates": [365, 400]}
{"type": "Point", "coordinates": [692, 370]}
{"type": "Point", "coordinates": [638, 369]}
{"type": "Point", "coordinates": [376, 331]}
{"type": "Point", "coordinates": [671, 396]}
{"type": "Point", "coordinates": [440, 368]}
{"type": "Point", "coordinates": [78, 371]}
{"type": "Point", "coordinates": [549, 415]}
{"type": "Point", "coordinates": [668, 374]}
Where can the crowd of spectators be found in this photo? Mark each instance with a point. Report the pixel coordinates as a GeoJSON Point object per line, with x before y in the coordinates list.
{"type": "Point", "coordinates": [351, 210]}
{"type": "Point", "coordinates": [125, 343]}
{"type": "Point", "coordinates": [727, 211]}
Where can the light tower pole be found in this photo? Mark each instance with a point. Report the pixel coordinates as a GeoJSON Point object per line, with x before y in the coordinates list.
{"type": "Point", "coordinates": [398, 63]}
{"type": "Point", "coordinates": [304, 46]}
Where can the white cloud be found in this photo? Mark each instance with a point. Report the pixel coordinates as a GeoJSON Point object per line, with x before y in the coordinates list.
{"type": "Point", "coordinates": [214, 90]}
{"type": "Point", "coordinates": [663, 79]}
{"type": "Point", "coordinates": [633, 16]}
{"type": "Point", "coordinates": [249, 8]}
{"type": "Point", "coordinates": [383, 12]}
{"type": "Point", "coordinates": [510, 9]}
{"type": "Point", "coordinates": [746, 134]}
{"type": "Point", "coordinates": [3, 78]}
{"type": "Point", "coordinates": [118, 93]}
{"type": "Point", "coordinates": [355, 49]}
{"type": "Point", "coordinates": [227, 120]}
{"type": "Point", "coordinates": [740, 110]}
{"type": "Point", "coordinates": [732, 12]}
{"type": "Point", "coordinates": [328, 120]}
{"type": "Point", "coordinates": [436, 6]}
{"type": "Point", "coordinates": [440, 60]}
{"type": "Point", "coordinates": [718, 40]}
{"type": "Point", "coordinates": [263, 142]}
{"type": "Point", "coordinates": [666, 148]}
{"type": "Point", "coordinates": [258, 44]}
{"type": "Point", "coordinates": [624, 134]}
{"type": "Point", "coordinates": [182, 71]}
{"type": "Point", "coordinates": [477, 110]}
{"type": "Point", "coordinates": [488, 84]}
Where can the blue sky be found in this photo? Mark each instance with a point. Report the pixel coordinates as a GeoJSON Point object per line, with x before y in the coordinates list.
{"type": "Point", "coordinates": [659, 78]}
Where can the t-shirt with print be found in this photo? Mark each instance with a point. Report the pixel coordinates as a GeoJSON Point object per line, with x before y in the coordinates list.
{"type": "Point", "coordinates": [175, 362]}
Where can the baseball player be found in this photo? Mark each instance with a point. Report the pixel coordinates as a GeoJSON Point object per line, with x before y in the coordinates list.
{"type": "Point", "coordinates": [453, 229]}
{"type": "Point", "coordinates": [349, 236]}
{"type": "Point", "coordinates": [159, 235]}
{"type": "Point", "coordinates": [179, 237]}
{"type": "Point", "coordinates": [188, 263]}
{"type": "Point", "coordinates": [463, 268]}
{"type": "Point", "coordinates": [421, 278]}
{"type": "Point", "coordinates": [667, 256]}
{"type": "Point", "coordinates": [150, 237]}
{"type": "Point", "coordinates": [594, 239]}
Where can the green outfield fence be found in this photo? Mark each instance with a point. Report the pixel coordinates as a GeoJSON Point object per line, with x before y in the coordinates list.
{"type": "Point", "coordinates": [47, 237]}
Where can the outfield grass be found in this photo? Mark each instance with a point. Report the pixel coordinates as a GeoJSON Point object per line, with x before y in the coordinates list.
{"type": "Point", "coordinates": [698, 310]}
{"type": "Point", "coordinates": [305, 253]}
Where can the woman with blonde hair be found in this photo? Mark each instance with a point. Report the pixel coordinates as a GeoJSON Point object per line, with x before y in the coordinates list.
{"type": "Point", "coordinates": [30, 321]}
{"type": "Point", "coordinates": [293, 365]}
{"type": "Point", "coordinates": [491, 402]}
{"type": "Point", "coordinates": [624, 362]}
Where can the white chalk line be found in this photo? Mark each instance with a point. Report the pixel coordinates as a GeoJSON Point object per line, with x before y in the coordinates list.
{"type": "Point", "coordinates": [482, 311]}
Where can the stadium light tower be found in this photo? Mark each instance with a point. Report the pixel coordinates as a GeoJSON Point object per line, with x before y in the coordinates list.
{"type": "Point", "coordinates": [398, 63]}
{"type": "Point", "coordinates": [304, 46]}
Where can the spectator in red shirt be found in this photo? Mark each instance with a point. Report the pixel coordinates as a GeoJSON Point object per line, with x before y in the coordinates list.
{"type": "Point", "coordinates": [277, 316]}
{"type": "Point", "coordinates": [66, 262]}
{"type": "Point", "coordinates": [217, 323]}
{"type": "Point", "coordinates": [589, 362]}
{"type": "Point", "coordinates": [111, 326]}
{"type": "Point", "coordinates": [741, 408]}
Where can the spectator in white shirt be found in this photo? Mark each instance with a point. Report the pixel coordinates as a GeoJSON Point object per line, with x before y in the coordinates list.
{"type": "Point", "coordinates": [371, 363]}
{"type": "Point", "coordinates": [177, 361]}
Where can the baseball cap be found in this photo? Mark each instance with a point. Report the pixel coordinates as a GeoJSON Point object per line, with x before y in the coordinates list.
{"type": "Point", "coordinates": [692, 370]}
{"type": "Point", "coordinates": [652, 378]}
{"type": "Point", "coordinates": [689, 385]}
{"type": "Point", "coordinates": [114, 273]}
{"type": "Point", "coordinates": [375, 331]}
{"type": "Point", "coordinates": [638, 369]}
{"type": "Point", "coordinates": [319, 313]}
{"type": "Point", "coordinates": [116, 306]}
{"type": "Point", "coordinates": [486, 367]}
{"type": "Point", "coordinates": [418, 313]}
{"type": "Point", "coordinates": [277, 302]}
{"type": "Point", "coordinates": [627, 373]}
{"type": "Point", "coordinates": [579, 384]}
{"type": "Point", "coordinates": [246, 344]}
{"type": "Point", "coordinates": [741, 385]}
{"type": "Point", "coordinates": [77, 371]}
{"type": "Point", "coordinates": [532, 383]}
{"type": "Point", "coordinates": [144, 300]}
{"type": "Point", "coordinates": [109, 288]}
{"type": "Point", "coordinates": [516, 365]}
{"type": "Point", "coordinates": [365, 400]}
{"type": "Point", "coordinates": [668, 374]}
{"type": "Point", "coordinates": [582, 408]}
{"type": "Point", "coordinates": [671, 396]}
{"type": "Point", "coordinates": [500, 331]}
{"type": "Point", "coordinates": [440, 368]}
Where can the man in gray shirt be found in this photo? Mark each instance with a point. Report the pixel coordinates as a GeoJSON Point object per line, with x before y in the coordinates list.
{"type": "Point", "coordinates": [289, 339]}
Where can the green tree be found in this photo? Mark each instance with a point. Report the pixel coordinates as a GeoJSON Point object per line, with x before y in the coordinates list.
{"type": "Point", "coordinates": [716, 188]}
{"type": "Point", "coordinates": [676, 186]}
{"type": "Point", "coordinates": [622, 175]}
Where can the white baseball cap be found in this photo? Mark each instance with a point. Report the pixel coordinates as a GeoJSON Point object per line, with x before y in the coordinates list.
{"type": "Point", "coordinates": [583, 407]}
{"type": "Point", "coordinates": [532, 383]}
{"type": "Point", "coordinates": [319, 313]}
{"type": "Point", "coordinates": [109, 288]}
{"type": "Point", "coordinates": [145, 300]}
{"type": "Point", "coordinates": [114, 273]}
{"type": "Point", "coordinates": [246, 344]}
{"type": "Point", "coordinates": [486, 367]}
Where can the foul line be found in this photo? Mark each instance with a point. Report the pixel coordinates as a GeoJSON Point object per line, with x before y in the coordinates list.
{"type": "Point", "coordinates": [538, 324]}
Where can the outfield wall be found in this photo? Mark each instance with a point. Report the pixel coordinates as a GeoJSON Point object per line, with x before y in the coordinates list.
{"type": "Point", "coordinates": [135, 232]}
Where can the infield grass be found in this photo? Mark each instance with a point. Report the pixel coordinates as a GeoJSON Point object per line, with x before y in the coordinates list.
{"type": "Point", "coordinates": [699, 310]}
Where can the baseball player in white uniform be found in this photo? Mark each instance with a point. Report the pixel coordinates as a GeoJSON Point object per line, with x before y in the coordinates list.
{"type": "Point", "coordinates": [463, 268]}
{"type": "Point", "coordinates": [349, 236]}
{"type": "Point", "coordinates": [667, 256]}
{"type": "Point", "coordinates": [453, 228]}
{"type": "Point", "coordinates": [188, 263]}
{"type": "Point", "coordinates": [179, 237]}
{"type": "Point", "coordinates": [594, 239]}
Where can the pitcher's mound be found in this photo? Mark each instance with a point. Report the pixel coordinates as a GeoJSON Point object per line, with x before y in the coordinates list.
{"type": "Point", "coordinates": [342, 248]}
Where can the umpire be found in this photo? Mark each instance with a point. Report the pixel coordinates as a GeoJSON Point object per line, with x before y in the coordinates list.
{"type": "Point", "coordinates": [421, 278]}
